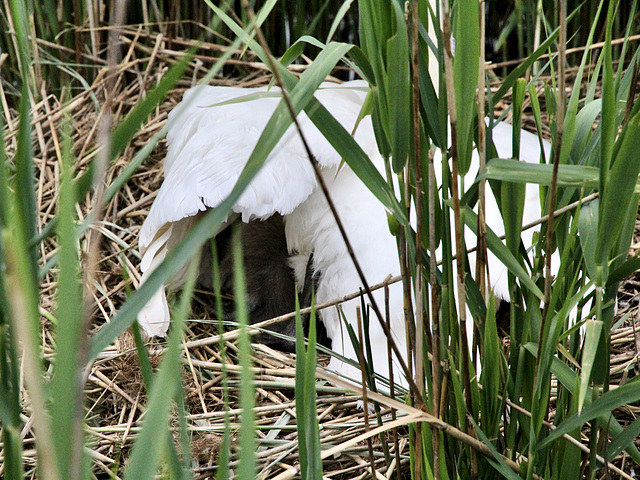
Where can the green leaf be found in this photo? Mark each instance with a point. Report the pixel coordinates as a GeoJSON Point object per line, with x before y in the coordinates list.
{"type": "Point", "coordinates": [518, 100]}
{"type": "Point", "coordinates": [627, 268]}
{"type": "Point", "coordinates": [621, 184]}
{"type": "Point", "coordinates": [247, 467]}
{"type": "Point", "coordinates": [24, 198]}
{"type": "Point", "coordinates": [521, 69]}
{"type": "Point", "coordinates": [296, 49]}
{"type": "Point", "coordinates": [399, 91]}
{"type": "Point", "coordinates": [591, 339]}
{"type": "Point", "coordinates": [10, 363]}
{"type": "Point", "coordinates": [357, 160]}
{"type": "Point", "coordinates": [568, 378]}
{"type": "Point", "coordinates": [152, 443]}
{"type": "Point", "coordinates": [491, 377]}
{"type": "Point", "coordinates": [623, 440]}
{"type": "Point", "coordinates": [344, 8]}
{"type": "Point", "coordinates": [497, 461]}
{"type": "Point", "coordinates": [623, 395]}
{"type": "Point", "coordinates": [588, 230]}
{"type": "Point", "coordinates": [465, 76]}
{"type": "Point", "coordinates": [70, 332]}
{"type": "Point", "coordinates": [584, 127]}
{"type": "Point", "coordinates": [512, 205]}
{"type": "Point", "coordinates": [509, 170]}
{"type": "Point", "coordinates": [306, 420]}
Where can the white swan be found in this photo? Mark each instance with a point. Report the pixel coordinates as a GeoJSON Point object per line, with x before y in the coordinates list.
{"type": "Point", "coordinates": [208, 147]}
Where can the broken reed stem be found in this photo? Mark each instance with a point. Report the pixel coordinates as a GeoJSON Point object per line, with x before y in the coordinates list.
{"type": "Point", "coordinates": [557, 145]}
{"type": "Point", "coordinates": [482, 270]}
{"type": "Point", "coordinates": [436, 369]}
{"type": "Point", "coordinates": [417, 161]}
{"type": "Point", "coordinates": [405, 275]}
{"type": "Point", "coordinates": [421, 332]}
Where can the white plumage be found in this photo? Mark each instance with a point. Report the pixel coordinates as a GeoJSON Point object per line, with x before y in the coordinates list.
{"type": "Point", "coordinates": [209, 145]}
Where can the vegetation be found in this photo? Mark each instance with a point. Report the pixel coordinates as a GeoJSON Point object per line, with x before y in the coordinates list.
{"type": "Point", "coordinates": [84, 109]}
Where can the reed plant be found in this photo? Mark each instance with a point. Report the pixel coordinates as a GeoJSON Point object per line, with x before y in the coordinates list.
{"type": "Point", "coordinates": [482, 405]}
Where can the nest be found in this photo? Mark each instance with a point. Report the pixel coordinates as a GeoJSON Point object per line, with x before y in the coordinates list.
{"type": "Point", "coordinates": [115, 393]}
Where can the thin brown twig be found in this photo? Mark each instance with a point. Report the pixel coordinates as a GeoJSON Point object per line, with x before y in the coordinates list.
{"type": "Point", "coordinates": [568, 51]}
{"type": "Point", "coordinates": [332, 207]}
{"type": "Point", "coordinates": [554, 180]}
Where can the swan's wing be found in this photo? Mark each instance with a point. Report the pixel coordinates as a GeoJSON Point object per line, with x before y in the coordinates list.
{"type": "Point", "coordinates": [211, 136]}
{"type": "Point", "coordinates": [209, 145]}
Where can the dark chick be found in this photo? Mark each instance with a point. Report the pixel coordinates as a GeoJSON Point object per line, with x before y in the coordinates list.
{"type": "Point", "coordinates": [270, 283]}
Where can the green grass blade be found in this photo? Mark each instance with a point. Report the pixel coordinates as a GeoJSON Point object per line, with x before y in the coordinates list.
{"type": "Point", "coordinates": [621, 184]}
{"type": "Point", "coordinates": [5, 193]}
{"type": "Point", "coordinates": [151, 444]}
{"type": "Point", "coordinates": [591, 339]}
{"type": "Point", "coordinates": [306, 419]}
{"type": "Point", "coordinates": [23, 295]}
{"type": "Point", "coordinates": [584, 128]}
{"type": "Point", "coordinates": [491, 377]}
{"type": "Point", "coordinates": [623, 440]}
{"type": "Point", "coordinates": [399, 90]}
{"type": "Point", "coordinates": [70, 334]}
{"type": "Point", "coordinates": [497, 462]}
{"type": "Point", "coordinates": [588, 229]}
{"type": "Point", "coordinates": [570, 129]}
{"type": "Point", "coordinates": [302, 402]}
{"type": "Point", "coordinates": [25, 200]}
{"type": "Point", "coordinates": [603, 406]}
{"type": "Point", "coordinates": [225, 448]}
{"type": "Point", "coordinates": [143, 357]}
{"type": "Point", "coordinates": [297, 48]}
{"type": "Point", "coordinates": [568, 378]}
{"type": "Point", "coordinates": [344, 8]}
{"type": "Point", "coordinates": [247, 467]}
{"type": "Point", "coordinates": [10, 382]}
{"type": "Point", "coordinates": [610, 192]}
{"type": "Point", "coordinates": [465, 76]}
{"type": "Point", "coordinates": [20, 16]}
{"type": "Point", "coordinates": [357, 160]}
{"type": "Point", "coordinates": [508, 170]}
